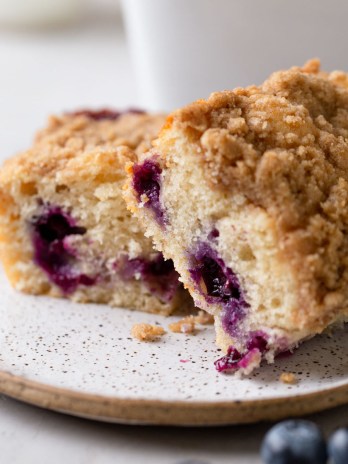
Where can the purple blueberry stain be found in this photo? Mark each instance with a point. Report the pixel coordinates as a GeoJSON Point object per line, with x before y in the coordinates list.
{"type": "Point", "coordinates": [213, 235]}
{"type": "Point", "coordinates": [52, 252]}
{"type": "Point", "coordinates": [219, 280]}
{"type": "Point", "coordinates": [256, 346]}
{"type": "Point", "coordinates": [147, 183]}
{"type": "Point", "coordinates": [259, 340]}
{"type": "Point", "coordinates": [158, 274]}
{"type": "Point", "coordinates": [229, 361]}
{"type": "Point", "coordinates": [55, 225]}
{"type": "Point", "coordinates": [219, 284]}
{"type": "Point", "coordinates": [234, 360]}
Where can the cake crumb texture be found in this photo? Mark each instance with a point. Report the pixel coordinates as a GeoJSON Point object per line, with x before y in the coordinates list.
{"type": "Point", "coordinates": [64, 227]}
{"type": "Point", "coordinates": [185, 325]}
{"type": "Point", "coordinates": [147, 332]}
{"type": "Point", "coordinates": [288, 378]}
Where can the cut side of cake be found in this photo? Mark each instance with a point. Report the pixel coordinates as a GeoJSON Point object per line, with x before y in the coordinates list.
{"type": "Point", "coordinates": [247, 193]}
{"type": "Point", "coordinates": [64, 227]}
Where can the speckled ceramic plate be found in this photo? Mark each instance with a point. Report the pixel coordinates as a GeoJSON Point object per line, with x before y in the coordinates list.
{"type": "Point", "coordinates": [80, 359]}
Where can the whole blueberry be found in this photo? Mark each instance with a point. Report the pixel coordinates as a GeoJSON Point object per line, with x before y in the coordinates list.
{"type": "Point", "coordinates": [294, 442]}
{"type": "Point", "coordinates": [338, 446]}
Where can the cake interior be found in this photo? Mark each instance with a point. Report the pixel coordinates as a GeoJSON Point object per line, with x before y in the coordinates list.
{"type": "Point", "coordinates": [66, 232]}
{"type": "Point", "coordinates": [228, 254]}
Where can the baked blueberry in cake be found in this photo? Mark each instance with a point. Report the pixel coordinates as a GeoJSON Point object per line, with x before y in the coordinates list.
{"type": "Point", "coordinates": [64, 226]}
{"type": "Point", "coordinates": [247, 193]}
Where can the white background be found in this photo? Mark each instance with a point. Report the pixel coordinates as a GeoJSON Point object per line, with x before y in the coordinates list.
{"type": "Point", "coordinates": [50, 71]}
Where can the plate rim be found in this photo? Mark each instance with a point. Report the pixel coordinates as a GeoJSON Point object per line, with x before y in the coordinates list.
{"type": "Point", "coordinates": [175, 413]}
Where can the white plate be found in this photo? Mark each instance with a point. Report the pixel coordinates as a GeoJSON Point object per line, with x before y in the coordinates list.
{"type": "Point", "coordinates": [81, 359]}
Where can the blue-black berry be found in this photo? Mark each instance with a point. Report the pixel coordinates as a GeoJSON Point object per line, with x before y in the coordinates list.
{"type": "Point", "coordinates": [294, 442]}
{"type": "Point", "coordinates": [338, 446]}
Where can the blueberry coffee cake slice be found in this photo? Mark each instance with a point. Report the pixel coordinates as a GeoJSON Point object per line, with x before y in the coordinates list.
{"type": "Point", "coordinates": [64, 227]}
{"type": "Point", "coordinates": [247, 192]}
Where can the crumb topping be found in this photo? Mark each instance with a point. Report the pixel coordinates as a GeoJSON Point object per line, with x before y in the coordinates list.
{"type": "Point", "coordinates": [147, 332]}
{"type": "Point", "coordinates": [283, 143]}
{"type": "Point", "coordinates": [70, 141]}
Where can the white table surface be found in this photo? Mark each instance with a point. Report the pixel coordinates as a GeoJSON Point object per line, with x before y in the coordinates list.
{"type": "Point", "coordinates": [88, 66]}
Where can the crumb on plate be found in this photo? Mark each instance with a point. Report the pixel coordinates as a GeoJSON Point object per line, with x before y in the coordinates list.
{"type": "Point", "coordinates": [146, 332]}
{"type": "Point", "coordinates": [204, 318]}
{"type": "Point", "coordinates": [186, 325]}
{"type": "Point", "coordinates": [288, 377]}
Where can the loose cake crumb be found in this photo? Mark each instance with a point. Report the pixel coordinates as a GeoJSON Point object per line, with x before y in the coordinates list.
{"type": "Point", "coordinates": [147, 332]}
{"type": "Point", "coordinates": [204, 318]}
{"type": "Point", "coordinates": [288, 377]}
{"type": "Point", "coordinates": [186, 325]}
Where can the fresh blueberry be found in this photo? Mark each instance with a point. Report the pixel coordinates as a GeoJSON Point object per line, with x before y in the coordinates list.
{"type": "Point", "coordinates": [294, 442]}
{"type": "Point", "coordinates": [338, 446]}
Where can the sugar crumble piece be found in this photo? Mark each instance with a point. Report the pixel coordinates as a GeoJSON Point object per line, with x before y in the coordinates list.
{"type": "Point", "coordinates": [288, 378]}
{"type": "Point", "coordinates": [204, 318]}
{"type": "Point", "coordinates": [147, 332]}
{"type": "Point", "coordinates": [186, 325]}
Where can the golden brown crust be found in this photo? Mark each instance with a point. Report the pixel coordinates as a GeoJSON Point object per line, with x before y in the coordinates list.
{"type": "Point", "coordinates": [130, 129]}
{"type": "Point", "coordinates": [283, 145]}
{"type": "Point", "coordinates": [68, 141]}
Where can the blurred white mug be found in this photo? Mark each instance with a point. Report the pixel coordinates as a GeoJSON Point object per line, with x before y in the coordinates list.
{"type": "Point", "coordinates": [185, 49]}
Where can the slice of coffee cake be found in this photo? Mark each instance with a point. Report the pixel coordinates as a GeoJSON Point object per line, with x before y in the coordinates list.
{"type": "Point", "coordinates": [247, 192]}
{"type": "Point", "coordinates": [64, 227]}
